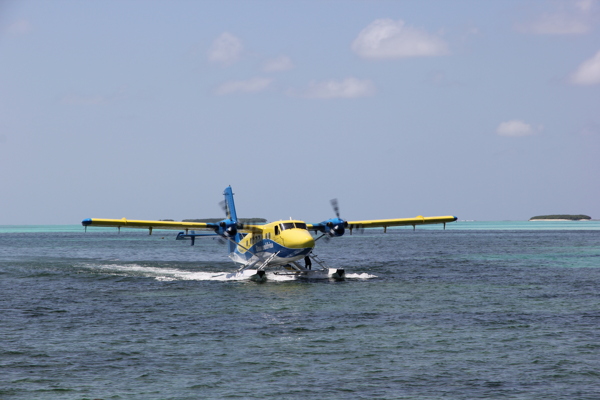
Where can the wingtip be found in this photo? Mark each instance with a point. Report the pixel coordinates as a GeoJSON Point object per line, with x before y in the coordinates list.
{"type": "Point", "coordinates": [86, 222]}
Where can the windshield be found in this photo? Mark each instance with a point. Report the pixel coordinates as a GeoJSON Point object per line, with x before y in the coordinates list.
{"type": "Point", "coordinates": [287, 225]}
{"type": "Point", "coordinates": [292, 225]}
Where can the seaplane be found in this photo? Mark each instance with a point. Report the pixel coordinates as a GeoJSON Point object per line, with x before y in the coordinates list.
{"type": "Point", "coordinates": [278, 247]}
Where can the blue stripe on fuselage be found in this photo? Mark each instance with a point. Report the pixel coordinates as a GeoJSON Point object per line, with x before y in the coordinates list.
{"type": "Point", "coordinates": [266, 247]}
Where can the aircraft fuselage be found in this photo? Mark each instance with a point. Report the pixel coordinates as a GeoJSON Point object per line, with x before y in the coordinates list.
{"type": "Point", "coordinates": [287, 240]}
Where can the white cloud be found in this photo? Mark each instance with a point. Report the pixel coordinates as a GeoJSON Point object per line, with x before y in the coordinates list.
{"type": "Point", "coordinates": [516, 128]}
{"type": "Point", "coordinates": [573, 18]}
{"type": "Point", "coordinates": [19, 27]}
{"type": "Point", "coordinates": [584, 5]}
{"type": "Point", "coordinates": [559, 24]}
{"type": "Point", "coordinates": [281, 63]}
{"type": "Point", "coordinates": [349, 88]}
{"type": "Point", "coordinates": [249, 86]}
{"type": "Point", "coordinates": [588, 72]}
{"type": "Point", "coordinates": [386, 38]}
{"type": "Point", "coordinates": [590, 129]}
{"type": "Point", "coordinates": [225, 50]}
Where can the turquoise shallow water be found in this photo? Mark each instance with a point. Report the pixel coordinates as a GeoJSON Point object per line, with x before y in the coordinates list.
{"type": "Point", "coordinates": [481, 310]}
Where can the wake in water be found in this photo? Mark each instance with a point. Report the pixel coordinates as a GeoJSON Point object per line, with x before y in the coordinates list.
{"type": "Point", "coordinates": [173, 274]}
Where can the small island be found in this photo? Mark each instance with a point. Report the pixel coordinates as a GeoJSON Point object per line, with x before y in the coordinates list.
{"type": "Point", "coordinates": [561, 217]}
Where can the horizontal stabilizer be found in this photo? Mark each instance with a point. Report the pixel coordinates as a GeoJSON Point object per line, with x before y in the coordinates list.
{"type": "Point", "coordinates": [184, 236]}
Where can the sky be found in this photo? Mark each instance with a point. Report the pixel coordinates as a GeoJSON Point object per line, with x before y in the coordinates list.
{"type": "Point", "coordinates": [149, 109]}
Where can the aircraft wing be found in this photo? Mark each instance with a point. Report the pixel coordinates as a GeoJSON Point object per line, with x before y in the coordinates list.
{"type": "Point", "coordinates": [131, 223]}
{"type": "Point", "coordinates": [384, 223]}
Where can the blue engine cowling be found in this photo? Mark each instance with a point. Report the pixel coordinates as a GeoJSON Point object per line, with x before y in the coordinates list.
{"type": "Point", "coordinates": [334, 227]}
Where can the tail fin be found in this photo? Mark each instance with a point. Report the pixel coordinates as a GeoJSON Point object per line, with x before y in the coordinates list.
{"type": "Point", "coordinates": [231, 215]}
{"type": "Point", "coordinates": [229, 204]}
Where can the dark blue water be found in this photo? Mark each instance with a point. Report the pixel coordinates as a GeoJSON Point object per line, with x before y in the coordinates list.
{"type": "Point", "coordinates": [431, 314]}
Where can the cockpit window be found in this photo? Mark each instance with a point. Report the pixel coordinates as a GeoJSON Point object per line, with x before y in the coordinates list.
{"type": "Point", "coordinates": [287, 225]}
{"type": "Point", "coordinates": [292, 225]}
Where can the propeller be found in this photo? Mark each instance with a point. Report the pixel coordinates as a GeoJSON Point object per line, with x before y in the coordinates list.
{"type": "Point", "coordinates": [223, 205]}
{"type": "Point", "coordinates": [335, 206]}
{"type": "Point", "coordinates": [229, 229]}
{"type": "Point", "coordinates": [337, 226]}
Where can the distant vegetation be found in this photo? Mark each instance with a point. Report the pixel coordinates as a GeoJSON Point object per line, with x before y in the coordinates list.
{"type": "Point", "coordinates": [242, 220]}
{"type": "Point", "coordinates": [565, 216]}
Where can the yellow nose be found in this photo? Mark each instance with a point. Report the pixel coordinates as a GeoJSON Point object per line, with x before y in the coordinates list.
{"type": "Point", "coordinates": [297, 239]}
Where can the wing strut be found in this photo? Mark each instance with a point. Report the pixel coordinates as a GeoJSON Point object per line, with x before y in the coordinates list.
{"type": "Point", "coordinates": [262, 265]}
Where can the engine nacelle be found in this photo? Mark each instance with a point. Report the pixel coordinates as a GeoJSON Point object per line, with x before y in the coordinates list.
{"type": "Point", "coordinates": [227, 228]}
{"type": "Point", "coordinates": [334, 227]}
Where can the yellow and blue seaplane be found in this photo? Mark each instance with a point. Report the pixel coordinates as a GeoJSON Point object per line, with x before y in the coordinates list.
{"type": "Point", "coordinates": [276, 246]}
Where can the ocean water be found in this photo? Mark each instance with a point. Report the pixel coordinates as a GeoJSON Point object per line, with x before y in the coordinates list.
{"type": "Point", "coordinates": [503, 310]}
